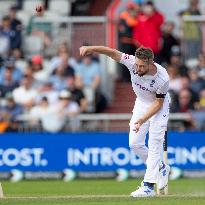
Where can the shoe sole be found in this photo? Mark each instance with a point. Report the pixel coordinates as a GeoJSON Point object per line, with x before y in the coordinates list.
{"type": "Point", "coordinates": [143, 196]}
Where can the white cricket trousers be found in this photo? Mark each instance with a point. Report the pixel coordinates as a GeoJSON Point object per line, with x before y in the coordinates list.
{"type": "Point", "coordinates": [156, 126]}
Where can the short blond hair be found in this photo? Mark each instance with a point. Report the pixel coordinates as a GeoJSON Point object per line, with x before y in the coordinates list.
{"type": "Point", "coordinates": [144, 54]}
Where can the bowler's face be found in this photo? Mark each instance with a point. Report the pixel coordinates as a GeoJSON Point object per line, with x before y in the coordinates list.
{"type": "Point", "coordinates": [141, 67]}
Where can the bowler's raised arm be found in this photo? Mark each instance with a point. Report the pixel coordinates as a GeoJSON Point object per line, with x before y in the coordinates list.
{"type": "Point", "coordinates": [113, 53]}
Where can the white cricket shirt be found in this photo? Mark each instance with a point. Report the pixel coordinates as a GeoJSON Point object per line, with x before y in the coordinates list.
{"type": "Point", "coordinates": [146, 87]}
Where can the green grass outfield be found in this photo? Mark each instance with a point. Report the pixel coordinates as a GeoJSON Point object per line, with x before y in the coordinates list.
{"type": "Point", "coordinates": [109, 192]}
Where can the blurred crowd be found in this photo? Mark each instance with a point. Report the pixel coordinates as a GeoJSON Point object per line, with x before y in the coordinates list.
{"type": "Point", "coordinates": [46, 92]}
{"type": "Point", "coordinates": [142, 24]}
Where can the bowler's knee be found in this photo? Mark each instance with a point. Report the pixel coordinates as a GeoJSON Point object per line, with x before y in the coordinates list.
{"type": "Point", "coordinates": [136, 147]}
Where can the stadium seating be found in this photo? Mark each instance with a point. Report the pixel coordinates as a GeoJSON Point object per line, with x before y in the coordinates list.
{"type": "Point", "coordinates": [30, 5]}
{"type": "Point", "coordinates": [5, 5]}
{"type": "Point", "coordinates": [62, 7]}
{"type": "Point", "coordinates": [49, 13]}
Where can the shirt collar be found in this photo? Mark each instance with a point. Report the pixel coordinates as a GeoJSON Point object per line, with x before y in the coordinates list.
{"type": "Point", "coordinates": [151, 77]}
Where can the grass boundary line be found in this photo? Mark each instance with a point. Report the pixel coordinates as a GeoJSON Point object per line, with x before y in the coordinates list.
{"type": "Point", "coordinates": [100, 196]}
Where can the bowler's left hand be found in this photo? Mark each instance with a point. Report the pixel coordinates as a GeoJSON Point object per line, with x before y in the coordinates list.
{"type": "Point", "coordinates": [138, 125]}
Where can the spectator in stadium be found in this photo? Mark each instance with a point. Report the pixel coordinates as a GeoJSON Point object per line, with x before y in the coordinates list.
{"type": "Point", "coordinates": [184, 99]}
{"type": "Point", "coordinates": [36, 63]}
{"type": "Point", "coordinates": [62, 58]}
{"type": "Point", "coordinates": [39, 73]}
{"type": "Point", "coordinates": [28, 72]}
{"type": "Point", "coordinates": [19, 59]}
{"type": "Point", "coordinates": [176, 61]}
{"type": "Point", "coordinates": [62, 50]}
{"type": "Point", "coordinates": [16, 24]}
{"type": "Point", "coordinates": [185, 106]}
{"type": "Point", "coordinates": [5, 36]}
{"type": "Point", "coordinates": [61, 73]}
{"type": "Point", "coordinates": [196, 83]}
{"type": "Point", "coordinates": [201, 61]}
{"type": "Point", "coordinates": [64, 62]}
{"type": "Point", "coordinates": [168, 41]}
{"type": "Point", "coordinates": [46, 115]}
{"type": "Point", "coordinates": [17, 54]}
{"type": "Point", "coordinates": [191, 31]}
{"type": "Point", "coordinates": [38, 111]}
{"type": "Point", "coordinates": [147, 31]}
{"type": "Point", "coordinates": [9, 114]}
{"type": "Point", "coordinates": [8, 84]}
{"type": "Point", "coordinates": [71, 108]}
{"type": "Point", "coordinates": [88, 79]}
{"type": "Point", "coordinates": [4, 48]}
{"type": "Point", "coordinates": [127, 20]}
{"type": "Point", "coordinates": [58, 80]}
{"type": "Point", "coordinates": [47, 90]}
{"type": "Point", "coordinates": [10, 64]}
{"type": "Point", "coordinates": [41, 29]}
{"type": "Point", "coordinates": [7, 31]}
{"type": "Point", "coordinates": [62, 114]}
{"type": "Point", "coordinates": [77, 94]}
{"type": "Point", "coordinates": [198, 115]}
{"type": "Point", "coordinates": [185, 84]}
{"type": "Point", "coordinates": [175, 79]}
{"type": "Point", "coordinates": [25, 95]}
{"type": "Point", "coordinates": [197, 76]}
{"type": "Point", "coordinates": [88, 73]}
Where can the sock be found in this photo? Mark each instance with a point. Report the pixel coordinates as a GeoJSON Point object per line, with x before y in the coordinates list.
{"type": "Point", "coordinates": [150, 185]}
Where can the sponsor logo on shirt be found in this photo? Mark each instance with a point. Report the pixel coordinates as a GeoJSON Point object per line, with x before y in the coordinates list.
{"type": "Point", "coordinates": [142, 87]}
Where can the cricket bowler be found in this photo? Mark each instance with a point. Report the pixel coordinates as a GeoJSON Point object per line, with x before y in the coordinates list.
{"type": "Point", "coordinates": [150, 82]}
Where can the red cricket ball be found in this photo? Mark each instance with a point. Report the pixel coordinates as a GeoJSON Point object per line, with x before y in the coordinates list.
{"type": "Point", "coordinates": [39, 8]}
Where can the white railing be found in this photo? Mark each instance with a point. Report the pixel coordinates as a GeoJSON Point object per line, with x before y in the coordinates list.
{"type": "Point", "coordinates": [106, 122]}
{"type": "Point", "coordinates": [112, 117]}
{"type": "Point", "coordinates": [68, 19]}
{"type": "Point", "coordinates": [126, 116]}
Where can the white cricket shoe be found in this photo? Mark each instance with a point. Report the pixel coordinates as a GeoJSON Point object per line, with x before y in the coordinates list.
{"type": "Point", "coordinates": [163, 176]}
{"type": "Point", "coordinates": [143, 191]}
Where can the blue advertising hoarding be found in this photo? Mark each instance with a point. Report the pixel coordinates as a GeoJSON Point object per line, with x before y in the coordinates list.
{"type": "Point", "coordinates": [92, 151]}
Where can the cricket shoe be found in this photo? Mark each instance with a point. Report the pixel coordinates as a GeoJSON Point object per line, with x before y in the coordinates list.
{"type": "Point", "coordinates": [163, 176]}
{"type": "Point", "coordinates": [143, 191]}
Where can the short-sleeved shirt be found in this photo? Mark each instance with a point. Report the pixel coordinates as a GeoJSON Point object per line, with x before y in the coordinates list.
{"type": "Point", "coordinates": [148, 86]}
{"type": "Point", "coordinates": [88, 72]}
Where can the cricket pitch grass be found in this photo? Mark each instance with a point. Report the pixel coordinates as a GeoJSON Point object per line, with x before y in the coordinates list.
{"type": "Point", "coordinates": [109, 192]}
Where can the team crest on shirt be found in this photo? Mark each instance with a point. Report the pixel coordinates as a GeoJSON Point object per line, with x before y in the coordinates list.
{"type": "Point", "coordinates": [152, 83]}
{"type": "Point", "coordinates": [134, 71]}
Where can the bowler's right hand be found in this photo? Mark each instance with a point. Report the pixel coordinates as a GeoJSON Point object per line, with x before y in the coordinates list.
{"type": "Point", "coordinates": [85, 50]}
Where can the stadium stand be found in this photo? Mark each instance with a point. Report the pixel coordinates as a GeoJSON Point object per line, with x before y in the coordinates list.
{"type": "Point", "coordinates": [61, 29]}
